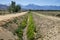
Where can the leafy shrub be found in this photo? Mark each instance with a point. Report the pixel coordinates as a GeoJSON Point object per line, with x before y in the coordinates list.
{"type": "Point", "coordinates": [13, 7]}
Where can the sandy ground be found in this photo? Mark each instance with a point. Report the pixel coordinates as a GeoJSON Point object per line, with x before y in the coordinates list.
{"type": "Point", "coordinates": [49, 17]}
{"type": "Point", "coordinates": [48, 27]}
{"type": "Point", "coordinates": [4, 33]}
{"type": "Point", "coordinates": [9, 16]}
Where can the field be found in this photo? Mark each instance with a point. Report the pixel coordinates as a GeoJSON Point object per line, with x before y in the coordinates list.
{"type": "Point", "coordinates": [32, 25]}
{"type": "Point", "coordinates": [47, 25]}
{"type": "Point", "coordinates": [3, 12]}
{"type": "Point", "coordinates": [50, 13]}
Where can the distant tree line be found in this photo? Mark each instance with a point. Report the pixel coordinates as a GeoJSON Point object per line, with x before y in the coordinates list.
{"type": "Point", "coordinates": [13, 7]}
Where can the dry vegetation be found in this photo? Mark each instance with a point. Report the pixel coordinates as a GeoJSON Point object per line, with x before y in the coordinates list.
{"type": "Point", "coordinates": [3, 12]}
{"type": "Point", "coordinates": [42, 25]}
{"type": "Point", "coordinates": [49, 13]}
{"type": "Point", "coordinates": [11, 25]}
{"type": "Point", "coordinates": [47, 27]}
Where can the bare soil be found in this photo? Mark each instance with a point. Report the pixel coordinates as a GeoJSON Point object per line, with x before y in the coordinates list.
{"type": "Point", "coordinates": [9, 16]}
{"type": "Point", "coordinates": [6, 32]}
{"type": "Point", "coordinates": [47, 27]}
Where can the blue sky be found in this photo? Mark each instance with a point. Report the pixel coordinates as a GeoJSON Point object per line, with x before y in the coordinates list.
{"type": "Point", "coordinates": [37, 2]}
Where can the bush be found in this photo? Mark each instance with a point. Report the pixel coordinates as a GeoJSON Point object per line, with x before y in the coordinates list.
{"type": "Point", "coordinates": [13, 7]}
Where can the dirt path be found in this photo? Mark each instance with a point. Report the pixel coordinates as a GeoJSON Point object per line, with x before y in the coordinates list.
{"type": "Point", "coordinates": [48, 27]}
{"type": "Point", "coordinates": [9, 16]}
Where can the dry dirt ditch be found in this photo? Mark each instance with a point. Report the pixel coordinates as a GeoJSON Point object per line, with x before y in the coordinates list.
{"type": "Point", "coordinates": [47, 27]}
{"type": "Point", "coordinates": [6, 18]}
{"type": "Point", "coordinates": [17, 27]}
{"type": "Point", "coordinates": [29, 31]}
{"type": "Point", "coordinates": [9, 24]}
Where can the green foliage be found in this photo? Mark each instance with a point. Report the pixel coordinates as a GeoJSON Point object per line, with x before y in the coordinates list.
{"type": "Point", "coordinates": [24, 22]}
{"type": "Point", "coordinates": [31, 28]}
{"type": "Point", "coordinates": [19, 32]}
{"type": "Point", "coordinates": [17, 8]}
{"type": "Point", "coordinates": [13, 7]}
{"type": "Point", "coordinates": [21, 26]}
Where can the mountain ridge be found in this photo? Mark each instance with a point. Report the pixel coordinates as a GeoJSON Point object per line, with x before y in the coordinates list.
{"type": "Point", "coordinates": [37, 7]}
{"type": "Point", "coordinates": [3, 7]}
{"type": "Point", "coordinates": [32, 7]}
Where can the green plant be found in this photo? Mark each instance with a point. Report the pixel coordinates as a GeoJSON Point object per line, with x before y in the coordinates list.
{"type": "Point", "coordinates": [21, 26]}
{"type": "Point", "coordinates": [19, 32]}
{"type": "Point", "coordinates": [13, 7]}
{"type": "Point", "coordinates": [24, 22]}
{"type": "Point", "coordinates": [31, 27]}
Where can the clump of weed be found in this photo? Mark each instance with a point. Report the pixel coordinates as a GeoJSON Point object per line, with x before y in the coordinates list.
{"type": "Point", "coordinates": [31, 27]}
{"type": "Point", "coordinates": [21, 26]}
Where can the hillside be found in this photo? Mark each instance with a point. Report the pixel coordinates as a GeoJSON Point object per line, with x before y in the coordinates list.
{"type": "Point", "coordinates": [37, 7]}
{"type": "Point", "coordinates": [3, 7]}
{"type": "Point", "coordinates": [32, 7]}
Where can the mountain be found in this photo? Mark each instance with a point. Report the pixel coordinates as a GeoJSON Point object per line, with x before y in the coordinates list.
{"type": "Point", "coordinates": [37, 7]}
{"type": "Point", "coordinates": [3, 7]}
{"type": "Point", "coordinates": [33, 7]}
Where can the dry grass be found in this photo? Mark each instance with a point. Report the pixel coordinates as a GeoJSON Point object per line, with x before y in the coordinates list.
{"type": "Point", "coordinates": [10, 23]}
{"type": "Point", "coordinates": [5, 18]}
{"type": "Point", "coordinates": [48, 27]}
{"type": "Point", "coordinates": [50, 13]}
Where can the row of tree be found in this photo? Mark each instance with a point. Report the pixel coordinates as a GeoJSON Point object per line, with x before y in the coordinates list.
{"type": "Point", "coordinates": [13, 7]}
